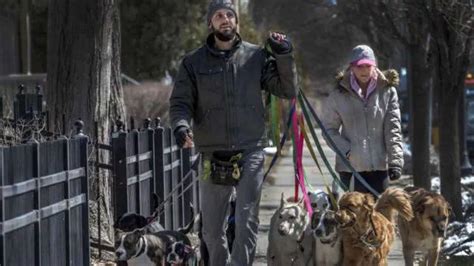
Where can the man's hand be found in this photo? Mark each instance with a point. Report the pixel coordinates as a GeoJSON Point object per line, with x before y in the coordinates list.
{"type": "Point", "coordinates": [279, 43]}
{"type": "Point", "coordinates": [394, 173]}
{"type": "Point", "coordinates": [183, 137]}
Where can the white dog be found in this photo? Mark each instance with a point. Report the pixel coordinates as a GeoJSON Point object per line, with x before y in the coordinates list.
{"type": "Point", "coordinates": [328, 244]}
{"type": "Point", "coordinates": [290, 241]}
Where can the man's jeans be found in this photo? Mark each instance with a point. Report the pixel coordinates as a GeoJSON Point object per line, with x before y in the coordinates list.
{"type": "Point", "coordinates": [215, 204]}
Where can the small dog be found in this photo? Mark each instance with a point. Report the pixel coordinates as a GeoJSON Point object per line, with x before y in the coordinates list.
{"type": "Point", "coordinates": [139, 248]}
{"type": "Point", "coordinates": [328, 243]}
{"type": "Point", "coordinates": [367, 227]}
{"type": "Point", "coordinates": [177, 246]}
{"type": "Point", "coordinates": [179, 253]}
{"type": "Point", "coordinates": [427, 230]}
{"type": "Point", "coordinates": [289, 240]}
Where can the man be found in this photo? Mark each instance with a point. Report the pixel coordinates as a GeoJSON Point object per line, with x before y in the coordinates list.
{"type": "Point", "coordinates": [219, 87]}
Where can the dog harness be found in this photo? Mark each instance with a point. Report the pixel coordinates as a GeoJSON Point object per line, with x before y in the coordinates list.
{"type": "Point", "coordinates": [142, 249]}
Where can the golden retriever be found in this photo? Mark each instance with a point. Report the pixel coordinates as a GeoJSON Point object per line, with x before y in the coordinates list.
{"type": "Point", "coordinates": [427, 230]}
{"type": "Point", "coordinates": [367, 226]}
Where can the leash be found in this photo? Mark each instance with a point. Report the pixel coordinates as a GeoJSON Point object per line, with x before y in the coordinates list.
{"type": "Point", "coordinates": [275, 118]}
{"type": "Point", "coordinates": [283, 139]}
{"type": "Point", "coordinates": [298, 155]}
{"type": "Point", "coordinates": [313, 155]}
{"type": "Point", "coordinates": [332, 144]}
{"type": "Point", "coordinates": [159, 209]}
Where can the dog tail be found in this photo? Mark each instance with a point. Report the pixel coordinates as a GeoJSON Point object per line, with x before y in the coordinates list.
{"type": "Point", "coordinates": [395, 200]}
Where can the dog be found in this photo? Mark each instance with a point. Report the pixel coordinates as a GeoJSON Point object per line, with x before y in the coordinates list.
{"type": "Point", "coordinates": [319, 200]}
{"type": "Point", "coordinates": [289, 240]}
{"type": "Point", "coordinates": [130, 221]}
{"type": "Point", "coordinates": [179, 253]}
{"type": "Point", "coordinates": [327, 235]}
{"type": "Point", "coordinates": [368, 229]}
{"type": "Point", "coordinates": [164, 247]}
{"type": "Point", "coordinates": [178, 248]}
{"type": "Point", "coordinates": [427, 230]}
{"type": "Point", "coordinates": [139, 248]}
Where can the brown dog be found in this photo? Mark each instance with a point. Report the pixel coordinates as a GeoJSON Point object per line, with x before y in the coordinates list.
{"type": "Point", "coordinates": [427, 230]}
{"type": "Point", "coordinates": [367, 227]}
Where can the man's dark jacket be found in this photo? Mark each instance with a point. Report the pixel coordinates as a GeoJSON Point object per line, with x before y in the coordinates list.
{"type": "Point", "coordinates": [221, 92]}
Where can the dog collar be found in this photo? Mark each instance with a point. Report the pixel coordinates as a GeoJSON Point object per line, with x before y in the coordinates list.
{"type": "Point", "coordinates": [331, 241]}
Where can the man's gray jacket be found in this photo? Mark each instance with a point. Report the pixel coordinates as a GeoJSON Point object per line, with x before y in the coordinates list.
{"type": "Point", "coordinates": [220, 91]}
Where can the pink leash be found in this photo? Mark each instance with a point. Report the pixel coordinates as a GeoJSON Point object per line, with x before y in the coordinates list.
{"type": "Point", "coordinates": [299, 173]}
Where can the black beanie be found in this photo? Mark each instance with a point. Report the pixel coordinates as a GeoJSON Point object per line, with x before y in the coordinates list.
{"type": "Point", "coordinates": [218, 4]}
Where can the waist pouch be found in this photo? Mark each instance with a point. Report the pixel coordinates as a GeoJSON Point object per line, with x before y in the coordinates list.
{"type": "Point", "coordinates": [226, 173]}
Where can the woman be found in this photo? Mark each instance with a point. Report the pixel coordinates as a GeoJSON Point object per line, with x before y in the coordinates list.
{"type": "Point", "coordinates": [362, 117]}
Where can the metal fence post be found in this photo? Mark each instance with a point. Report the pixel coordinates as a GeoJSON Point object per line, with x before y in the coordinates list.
{"type": "Point", "coordinates": [2, 210]}
{"type": "Point", "coordinates": [159, 170]}
{"type": "Point", "coordinates": [84, 140]}
{"type": "Point", "coordinates": [68, 196]}
{"type": "Point", "coordinates": [37, 205]}
{"type": "Point", "coordinates": [151, 145]}
{"type": "Point", "coordinates": [174, 179]}
{"type": "Point", "coordinates": [187, 197]}
{"type": "Point", "coordinates": [119, 161]}
{"type": "Point", "coordinates": [136, 152]}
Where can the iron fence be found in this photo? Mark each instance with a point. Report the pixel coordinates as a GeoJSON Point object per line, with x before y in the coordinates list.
{"type": "Point", "coordinates": [44, 203]}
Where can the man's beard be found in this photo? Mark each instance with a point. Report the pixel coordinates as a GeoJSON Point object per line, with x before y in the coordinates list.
{"type": "Point", "coordinates": [225, 36]}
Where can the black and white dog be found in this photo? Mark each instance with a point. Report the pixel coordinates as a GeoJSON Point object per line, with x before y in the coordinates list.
{"type": "Point", "coordinates": [328, 242]}
{"type": "Point", "coordinates": [139, 248]}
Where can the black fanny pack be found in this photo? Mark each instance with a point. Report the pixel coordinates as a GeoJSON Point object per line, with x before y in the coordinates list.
{"type": "Point", "coordinates": [226, 172]}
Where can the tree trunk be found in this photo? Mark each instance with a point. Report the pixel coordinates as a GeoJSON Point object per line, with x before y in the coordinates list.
{"type": "Point", "coordinates": [453, 46]}
{"type": "Point", "coordinates": [420, 93]}
{"type": "Point", "coordinates": [449, 150]}
{"type": "Point", "coordinates": [84, 76]}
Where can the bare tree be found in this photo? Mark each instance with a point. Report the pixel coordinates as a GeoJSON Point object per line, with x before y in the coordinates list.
{"type": "Point", "coordinates": [452, 28]}
{"type": "Point", "coordinates": [84, 72]}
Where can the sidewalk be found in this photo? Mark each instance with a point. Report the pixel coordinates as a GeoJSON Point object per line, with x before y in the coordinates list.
{"type": "Point", "coordinates": [281, 179]}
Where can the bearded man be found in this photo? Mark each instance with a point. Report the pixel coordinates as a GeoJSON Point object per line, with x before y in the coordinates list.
{"type": "Point", "coordinates": [216, 105]}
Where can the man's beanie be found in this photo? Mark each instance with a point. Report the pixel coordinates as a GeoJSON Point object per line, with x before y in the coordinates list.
{"type": "Point", "coordinates": [218, 4]}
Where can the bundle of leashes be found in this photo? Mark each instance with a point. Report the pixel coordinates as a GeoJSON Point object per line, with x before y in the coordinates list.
{"type": "Point", "coordinates": [297, 122]}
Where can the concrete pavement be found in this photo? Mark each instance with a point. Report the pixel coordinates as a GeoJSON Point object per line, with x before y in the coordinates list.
{"type": "Point", "coordinates": [281, 179]}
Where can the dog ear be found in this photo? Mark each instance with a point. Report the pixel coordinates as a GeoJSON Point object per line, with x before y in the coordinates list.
{"type": "Point", "coordinates": [283, 200]}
